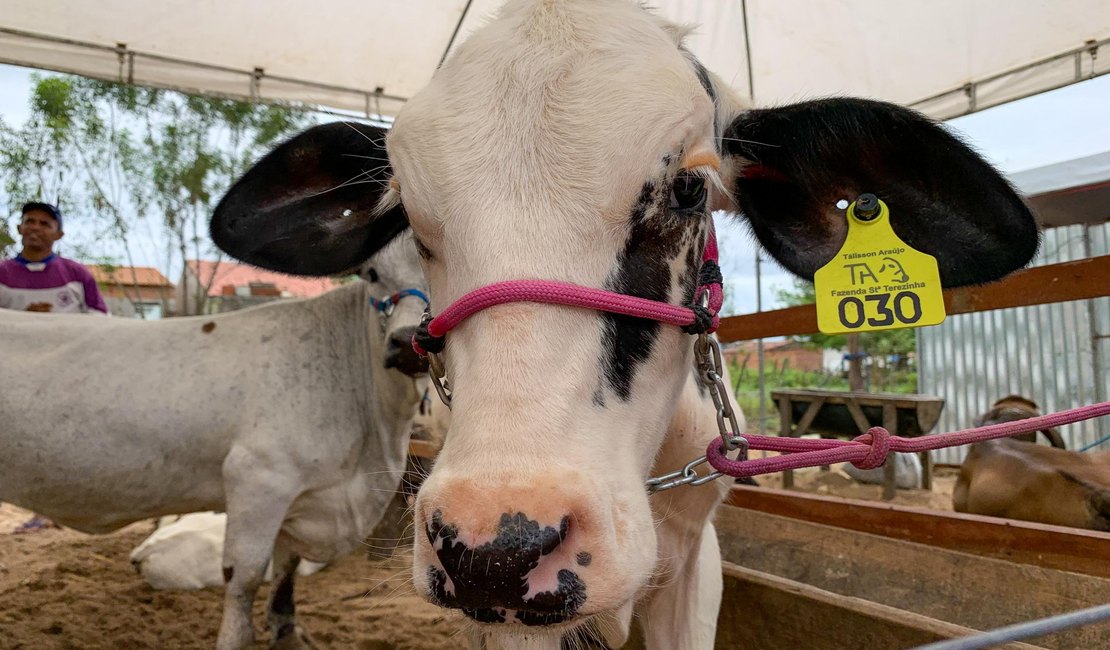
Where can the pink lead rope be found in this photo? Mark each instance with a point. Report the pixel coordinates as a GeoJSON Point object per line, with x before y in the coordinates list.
{"type": "Point", "coordinates": [870, 450]}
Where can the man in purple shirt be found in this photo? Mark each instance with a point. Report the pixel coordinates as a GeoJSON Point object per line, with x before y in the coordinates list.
{"type": "Point", "coordinates": [39, 280]}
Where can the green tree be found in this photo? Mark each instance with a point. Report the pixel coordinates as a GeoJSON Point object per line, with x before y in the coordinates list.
{"type": "Point", "coordinates": [122, 154]}
{"type": "Point", "coordinates": [7, 242]}
{"type": "Point", "coordinates": [192, 149]}
{"type": "Point", "coordinates": [876, 345]}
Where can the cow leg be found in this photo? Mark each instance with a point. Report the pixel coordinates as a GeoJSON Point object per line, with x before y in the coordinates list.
{"type": "Point", "coordinates": [682, 613]}
{"type": "Point", "coordinates": [256, 509]}
{"type": "Point", "coordinates": [280, 611]}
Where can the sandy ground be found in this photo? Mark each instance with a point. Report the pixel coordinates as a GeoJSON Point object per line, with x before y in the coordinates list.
{"type": "Point", "coordinates": [836, 483]}
{"type": "Point", "coordinates": [64, 589]}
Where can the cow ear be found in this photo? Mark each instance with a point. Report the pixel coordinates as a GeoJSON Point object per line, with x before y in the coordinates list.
{"type": "Point", "coordinates": [794, 163]}
{"type": "Point", "coordinates": [311, 206]}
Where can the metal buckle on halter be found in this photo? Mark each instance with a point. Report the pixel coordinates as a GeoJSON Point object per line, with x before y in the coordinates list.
{"type": "Point", "coordinates": [438, 375]}
{"type": "Point", "coordinates": [385, 305]}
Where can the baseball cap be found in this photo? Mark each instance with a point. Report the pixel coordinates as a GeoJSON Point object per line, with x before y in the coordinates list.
{"type": "Point", "coordinates": [45, 207]}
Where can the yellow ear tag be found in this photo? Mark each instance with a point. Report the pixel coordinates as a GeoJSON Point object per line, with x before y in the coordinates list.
{"type": "Point", "coordinates": [876, 281]}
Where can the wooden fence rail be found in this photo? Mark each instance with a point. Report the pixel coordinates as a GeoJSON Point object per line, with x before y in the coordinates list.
{"type": "Point", "coordinates": [1021, 542]}
{"type": "Point", "coordinates": [1078, 280]}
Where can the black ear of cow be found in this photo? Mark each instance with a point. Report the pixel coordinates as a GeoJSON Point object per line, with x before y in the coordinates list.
{"type": "Point", "coordinates": [796, 162]}
{"type": "Point", "coordinates": [307, 208]}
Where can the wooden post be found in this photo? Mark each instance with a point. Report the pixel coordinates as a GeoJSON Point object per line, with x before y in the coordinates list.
{"type": "Point", "coordinates": [890, 423]}
{"type": "Point", "coordinates": [855, 365]}
{"type": "Point", "coordinates": [785, 430]}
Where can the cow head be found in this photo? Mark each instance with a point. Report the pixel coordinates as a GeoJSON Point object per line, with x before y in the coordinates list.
{"type": "Point", "coordinates": [579, 141]}
{"type": "Point", "coordinates": [400, 291]}
{"type": "Point", "coordinates": [1017, 407]}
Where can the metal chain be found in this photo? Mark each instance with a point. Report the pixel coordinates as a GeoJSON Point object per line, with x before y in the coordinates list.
{"type": "Point", "coordinates": [707, 353]}
{"type": "Point", "coordinates": [707, 356]}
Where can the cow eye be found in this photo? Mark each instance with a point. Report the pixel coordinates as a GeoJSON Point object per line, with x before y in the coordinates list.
{"type": "Point", "coordinates": [688, 192]}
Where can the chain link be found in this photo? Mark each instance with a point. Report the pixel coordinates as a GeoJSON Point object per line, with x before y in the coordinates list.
{"type": "Point", "coordinates": [707, 356]}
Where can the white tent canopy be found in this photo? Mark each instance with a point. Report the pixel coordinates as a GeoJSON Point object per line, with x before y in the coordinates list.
{"type": "Point", "coordinates": [945, 57]}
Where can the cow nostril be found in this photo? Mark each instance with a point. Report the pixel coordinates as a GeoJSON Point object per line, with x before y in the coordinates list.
{"type": "Point", "coordinates": [402, 337]}
{"type": "Point", "coordinates": [434, 526]}
{"type": "Point", "coordinates": [548, 541]}
{"type": "Point", "coordinates": [435, 529]}
{"type": "Point", "coordinates": [399, 354]}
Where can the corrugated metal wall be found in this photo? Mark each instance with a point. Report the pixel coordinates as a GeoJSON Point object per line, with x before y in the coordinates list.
{"type": "Point", "coordinates": [1058, 355]}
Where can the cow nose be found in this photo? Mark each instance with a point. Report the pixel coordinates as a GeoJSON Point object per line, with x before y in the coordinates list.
{"type": "Point", "coordinates": [505, 578]}
{"type": "Point", "coordinates": [400, 355]}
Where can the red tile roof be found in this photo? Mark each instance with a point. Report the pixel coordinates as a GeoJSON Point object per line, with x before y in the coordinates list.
{"type": "Point", "coordinates": [144, 276]}
{"type": "Point", "coordinates": [242, 275]}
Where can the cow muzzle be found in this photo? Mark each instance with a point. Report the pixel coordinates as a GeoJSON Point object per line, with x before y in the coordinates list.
{"type": "Point", "coordinates": [493, 582]}
{"type": "Point", "coordinates": [400, 356]}
{"type": "Point", "coordinates": [541, 552]}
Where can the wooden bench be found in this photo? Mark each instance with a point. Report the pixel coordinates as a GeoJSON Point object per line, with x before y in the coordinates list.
{"type": "Point", "coordinates": [842, 414]}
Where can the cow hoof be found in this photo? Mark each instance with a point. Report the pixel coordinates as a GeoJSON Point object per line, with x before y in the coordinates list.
{"type": "Point", "coordinates": [297, 639]}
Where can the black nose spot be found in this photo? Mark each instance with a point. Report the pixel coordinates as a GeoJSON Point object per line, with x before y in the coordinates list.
{"type": "Point", "coordinates": [584, 559]}
{"type": "Point", "coordinates": [494, 576]}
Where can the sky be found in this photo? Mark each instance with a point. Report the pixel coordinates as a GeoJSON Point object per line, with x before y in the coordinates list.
{"type": "Point", "coordinates": [1067, 123]}
{"type": "Point", "coordinates": [1063, 124]}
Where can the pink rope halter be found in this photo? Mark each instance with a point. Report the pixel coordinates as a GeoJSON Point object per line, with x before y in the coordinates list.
{"type": "Point", "coordinates": [694, 318]}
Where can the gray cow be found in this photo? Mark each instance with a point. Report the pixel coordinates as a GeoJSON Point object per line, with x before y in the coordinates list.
{"type": "Point", "coordinates": [292, 417]}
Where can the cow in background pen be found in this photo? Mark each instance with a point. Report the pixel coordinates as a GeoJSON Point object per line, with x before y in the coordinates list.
{"type": "Point", "coordinates": [1018, 479]}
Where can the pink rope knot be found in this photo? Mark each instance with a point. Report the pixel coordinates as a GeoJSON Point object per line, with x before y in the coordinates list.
{"type": "Point", "coordinates": [878, 440]}
{"type": "Point", "coordinates": [797, 453]}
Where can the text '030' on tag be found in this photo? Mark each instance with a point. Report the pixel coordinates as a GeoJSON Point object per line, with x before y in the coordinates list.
{"type": "Point", "coordinates": [876, 281]}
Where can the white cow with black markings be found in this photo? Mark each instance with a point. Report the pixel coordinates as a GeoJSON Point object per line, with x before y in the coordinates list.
{"type": "Point", "coordinates": [579, 141]}
{"type": "Point", "coordinates": [292, 417]}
